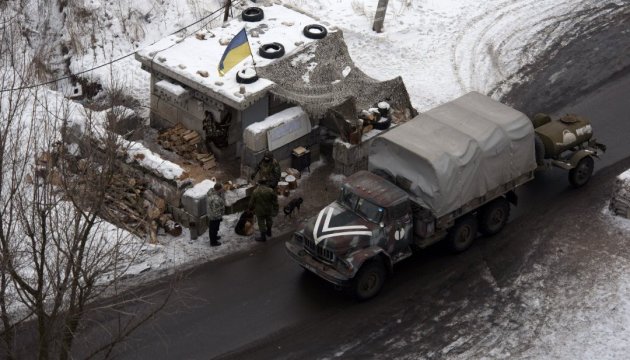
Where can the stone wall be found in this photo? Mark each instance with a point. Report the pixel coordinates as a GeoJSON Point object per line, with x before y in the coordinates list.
{"type": "Point", "coordinates": [620, 201]}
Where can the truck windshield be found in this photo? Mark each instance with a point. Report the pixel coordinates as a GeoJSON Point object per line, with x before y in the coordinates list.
{"type": "Point", "coordinates": [363, 207]}
{"type": "Point", "coordinates": [369, 211]}
{"type": "Point", "coordinates": [348, 198]}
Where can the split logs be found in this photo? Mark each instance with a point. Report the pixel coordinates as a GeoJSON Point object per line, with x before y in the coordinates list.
{"type": "Point", "coordinates": [185, 143]}
{"type": "Point", "coordinates": [133, 206]}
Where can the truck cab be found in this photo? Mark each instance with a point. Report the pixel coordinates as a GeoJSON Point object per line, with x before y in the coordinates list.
{"type": "Point", "coordinates": [354, 241]}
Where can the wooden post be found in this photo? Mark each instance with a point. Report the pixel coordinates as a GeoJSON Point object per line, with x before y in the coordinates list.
{"type": "Point", "coordinates": [228, 4]}
{"type": "Point", "coordinates": [379, 17]}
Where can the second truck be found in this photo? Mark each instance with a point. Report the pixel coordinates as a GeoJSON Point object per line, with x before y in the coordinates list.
{"type": "Point", "coordinates": [448, 174]}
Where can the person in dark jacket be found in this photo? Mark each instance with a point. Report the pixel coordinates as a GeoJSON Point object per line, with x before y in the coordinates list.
{"type": "Point", "coordinates": [264, 203]}
{"type": "Point", "coordinates": [216, 210]}
{"type": "Point", "coordinates": [268, 170]}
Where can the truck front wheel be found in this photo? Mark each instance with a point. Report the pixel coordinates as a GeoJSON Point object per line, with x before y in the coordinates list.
{"type": "Point", "coordinates": [581, 173]}
{"type": "Point", "coordinates": [369, 280]}
{"type": "Point", "coordinates": [493, 216]}
{"type": "Point", "coordinates": [462, 234]}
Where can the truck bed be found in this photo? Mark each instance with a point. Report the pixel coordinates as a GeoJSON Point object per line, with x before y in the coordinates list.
{"type": "Point", "coordinates": [459, 155]}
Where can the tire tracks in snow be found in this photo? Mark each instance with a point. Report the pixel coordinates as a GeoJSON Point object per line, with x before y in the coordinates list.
{"type": "Point", "coordinates": [493, 51]}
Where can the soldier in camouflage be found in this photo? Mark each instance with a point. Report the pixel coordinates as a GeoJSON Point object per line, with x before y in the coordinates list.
{"type": "Point", "coordinates": [268, 170]}
{"type": "Point", "coordinates": [216, 210]}
{"type": "Point", "coordinates": [264, 203]}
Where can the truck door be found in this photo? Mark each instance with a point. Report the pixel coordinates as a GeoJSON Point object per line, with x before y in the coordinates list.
{"type": "Point", "coordinates": [399, 230]}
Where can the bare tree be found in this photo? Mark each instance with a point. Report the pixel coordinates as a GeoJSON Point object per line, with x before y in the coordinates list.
{"type": "Point", "coordinates": [58, 258]}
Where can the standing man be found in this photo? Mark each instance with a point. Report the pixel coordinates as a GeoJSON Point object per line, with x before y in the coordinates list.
{"type": "Point", "coordinates": [268, 170]}
{"type": "Point", "coordinates": [264, 202]}
{"type": "Point", "coordinates": [216, 210]}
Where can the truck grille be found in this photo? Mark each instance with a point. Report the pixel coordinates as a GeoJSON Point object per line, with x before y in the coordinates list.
{"type": "Point", "coordinates": [318, 251]}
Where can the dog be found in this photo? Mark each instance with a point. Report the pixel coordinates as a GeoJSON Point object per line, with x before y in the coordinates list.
{"type": "Point", "coordinates": [292, 205]}
{"type": "Point", "coordinates": [245, 224]}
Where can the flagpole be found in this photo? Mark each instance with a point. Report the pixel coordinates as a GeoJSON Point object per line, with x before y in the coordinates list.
{"type": "Point", "coordinates": [250, 52]}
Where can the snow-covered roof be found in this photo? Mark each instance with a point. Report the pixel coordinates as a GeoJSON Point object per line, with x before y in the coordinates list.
{"type": "Point", "coordinates": [188, 59]}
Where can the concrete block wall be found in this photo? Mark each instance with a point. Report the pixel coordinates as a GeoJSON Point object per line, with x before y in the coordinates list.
{"type": "Point", "coordinates": [350, 158]}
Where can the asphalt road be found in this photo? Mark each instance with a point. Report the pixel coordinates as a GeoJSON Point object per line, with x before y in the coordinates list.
{"type": "Point", "coordinates": [262, 305]}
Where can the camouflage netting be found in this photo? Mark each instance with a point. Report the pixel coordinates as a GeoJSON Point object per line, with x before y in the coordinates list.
{"type": "Point", "coordinates": [314, 79]}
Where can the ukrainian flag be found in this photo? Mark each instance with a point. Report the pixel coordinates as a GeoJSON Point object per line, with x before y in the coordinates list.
{"type": "Point", "coordinates": [237, 50]}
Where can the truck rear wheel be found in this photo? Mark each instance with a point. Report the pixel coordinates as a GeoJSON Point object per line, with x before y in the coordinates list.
{"type": "Point", "coordinates": [493, 216]}
{"type": "Point", "coordinates": [581, 173]}
{"type": "Point", "coordinates": [462, 234]}
{"type": "Point", "coordinates": [369, 280]}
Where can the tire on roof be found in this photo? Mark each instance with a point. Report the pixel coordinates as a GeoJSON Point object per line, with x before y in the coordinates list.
{"type": "Point", "coordinates": [272, 50]}
{"type": "Point", "coordinates": [315, 31]}
{"type": "Point", "coordinates": [246, 75]}
{"type": "Point", "coordinates": [253, 14]}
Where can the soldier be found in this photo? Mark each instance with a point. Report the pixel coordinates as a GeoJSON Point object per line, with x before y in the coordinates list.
{"type": "Point", "coordinates": [268, 170]}
{"type": "Point", "coordinates": [264, 202]}
{"type": "Point", "coordinates": [216, 209]}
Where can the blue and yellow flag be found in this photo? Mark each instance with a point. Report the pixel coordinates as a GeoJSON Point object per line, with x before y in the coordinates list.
{"type": "Point", "coordinates": [237, 50]}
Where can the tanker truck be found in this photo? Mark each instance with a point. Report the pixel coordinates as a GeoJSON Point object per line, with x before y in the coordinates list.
{"type": "Point", "coordinates": [446, 175]}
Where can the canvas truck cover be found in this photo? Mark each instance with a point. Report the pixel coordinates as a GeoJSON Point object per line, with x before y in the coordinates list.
{"type": "Point", "coordinates": [457, 151]}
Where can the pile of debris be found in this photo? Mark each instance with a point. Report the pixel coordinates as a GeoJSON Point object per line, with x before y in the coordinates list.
{"type": "Point", "coordinates": [186, 143]}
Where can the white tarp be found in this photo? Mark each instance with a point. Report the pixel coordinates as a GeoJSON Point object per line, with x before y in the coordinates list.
{"type": "Point", "coordinates": [457, 151]}
{"type": "Point", "coordinates": [277, 130]}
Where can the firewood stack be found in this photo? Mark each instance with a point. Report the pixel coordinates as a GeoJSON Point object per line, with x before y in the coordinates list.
{"type": "Point", "coordinates": [133, 206]}
{"type": "Point", "coordinates": [185, 143]}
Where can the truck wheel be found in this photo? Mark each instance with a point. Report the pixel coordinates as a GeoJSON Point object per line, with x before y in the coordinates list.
{"type": "Point", "coordinates": [579, 175]}
{"type": "Point", "coordinates": [462, 234]}
{"type": "Point", "coordinates": [493, 216]}
{"type": "Point", "coordinates": [369, 280]}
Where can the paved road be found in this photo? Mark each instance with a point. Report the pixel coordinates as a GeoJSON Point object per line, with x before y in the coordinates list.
{"type": "Point", "coordinates": [261, 305]}
{"type": "Point", "coordinates": [435, 302]}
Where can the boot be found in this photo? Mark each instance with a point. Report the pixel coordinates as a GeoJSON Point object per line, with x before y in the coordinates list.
{"type": "Point", "coordinates": [216, 243]}
{"type": "Point", "coordinates": [269, 231]}
{"type": "Point", "coordinates": [262, 238]}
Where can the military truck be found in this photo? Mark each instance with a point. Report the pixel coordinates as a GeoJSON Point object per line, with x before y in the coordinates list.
{"type": "Point", "coordinates": [448, 174]}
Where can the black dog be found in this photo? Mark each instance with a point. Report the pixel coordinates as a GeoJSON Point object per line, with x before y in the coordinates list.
{"type": "Point", "coordinates": [292, 205]}
{"type": "Point", "coordinates": [245, 224]}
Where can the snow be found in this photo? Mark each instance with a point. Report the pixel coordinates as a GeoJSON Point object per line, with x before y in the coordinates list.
{"type": "Point", "coordinates": [200, 189]}
{"type": "Point", "coordinates": [441, 48]}
{"type": "Point", "coordinates": [185, 56]}
{"type": "Point", "coordinates": [624, 176]}
{"type": "Point", "coordinates": [153, 162]}
{"type": "Point", "coordinates": [171, 88]}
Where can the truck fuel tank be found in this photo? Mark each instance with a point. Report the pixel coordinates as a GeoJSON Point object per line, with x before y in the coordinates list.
{"type": "Point", "coordinates": [564, 133]}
